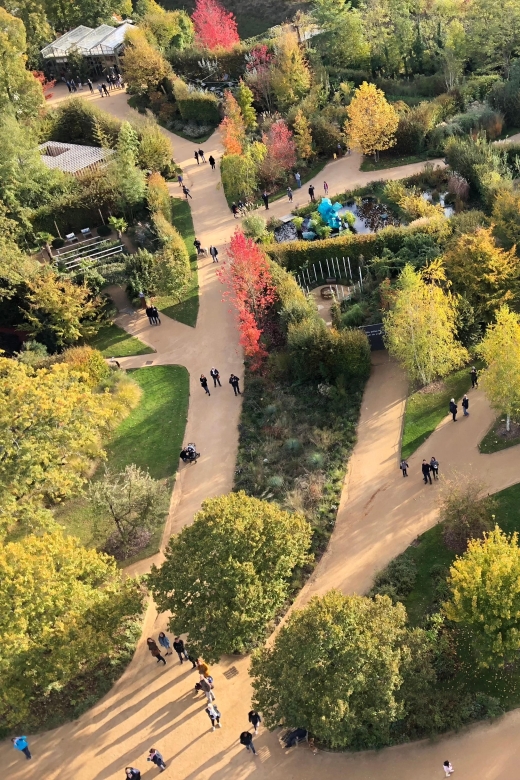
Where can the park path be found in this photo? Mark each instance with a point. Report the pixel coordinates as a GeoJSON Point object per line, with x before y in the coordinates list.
{"type": "Point", "coordinates": [379, 514]}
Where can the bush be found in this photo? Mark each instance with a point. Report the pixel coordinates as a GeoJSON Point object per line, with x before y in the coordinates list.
{"type": "Point", "coordinates": [354, 316]}
{"type": "Point", "coordinates": [326, 135]}
{"type": "Point", "coordinates": [195, 104]}
{"type": "Point", "coordinates": [318, 353]}
{"type": "Point", "coordinates": [77, 121]}
{"type": "Point", "coordinates": [465, 514]}
{"type": "Point", "coordinates": [398, 578]}
{"type": "Point", "coordinates": [104, 230]}
{"type": "Point", "coordinates": [172, 262]}
{"type": "Point", "coordinates": [57, 243]}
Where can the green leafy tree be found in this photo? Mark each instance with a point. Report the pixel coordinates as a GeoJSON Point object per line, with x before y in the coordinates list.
{"type": "Point", "coordinates": [144, 67]}
{"type": "Point", "coordinates": [420, 325]}
{"type": "Point", "coordinates": [171, 262]}
{"type": "Point", "coordinates": [485, 596]}
{"type": "Point", "coordinates": [20, 92]}
{"type": "Point", "coordinates": [500, 349]}
{"type": "Point", "coordinates": [129, 180]}
{"type": "Point", "coordinates": [244, 96]}
{"type": "Point", "coordinates": [335, 669]}
{"type": "Point", "coordinates": [132, 500]}
{"type": "Point", "coordinates": [240, 174]}
{"type": "Point", "coordinates": [155, 148]}
{"type": "Point", "coordinates": [506, 218]}
{"type": "Point", "coordinates": [119, 225]}
{"type": "Point", "coordinates": [62, 610]}
{"type": "Point", "coordinates": [226, 576]}
{"type": "Point", "coordinates": [38, 30]}
{"type": "Point", "coordinates": [343, 39]}
{"type": "Point", "coordinates": [290, 75]}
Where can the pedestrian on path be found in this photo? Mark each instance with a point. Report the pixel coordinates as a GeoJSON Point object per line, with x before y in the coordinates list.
{"type": "Point", "coordinates": [206, 685]}
{"type": "Point", "coordinates": [265, 198]}
{"type": "Point", "coordinates": [211, 161]}
{"type": "Point", "coordinates": [434, 467]}
{"type": "Point", "coordinates": [132, 773]}
{"type": "Point", "coordinates": [201, 155]}
{"type": "Point", "coordinates": [339, 149]}
{"type": "Point", "coordinates": [180, 179]}
{"type": "Point", "coordinates": [289, 194]}
{"type": "Point", "coordinates": [186, 192]}
{"type": "Point", "coordinates": [465, 406]}
{"type": "Point", "coordinates": [155, 315]}
{"type": "Point", "coordinates": [214, 253]}
{"type": "Point", "coordinates": [105, 90]}
{"type": "Point", "coordinates": [325, 188]}
{"type": "Point", "coordinates": [298, 179]}
{"type": "Point", "coordinates": [156, 758]}
{"type": "Point", "coordinates": [198, 246]}
{"type": "Point", "coordinates": [453, 409]}
{"type": "Point", "coordinates": [311, 193]}
{"type": "Point", "coordinates": [90, 86]}
{"type": "Point", "coordinates": [153, 648]}
{"type": "Point", "coordinates": [246, 739]}
{"type": "Point", "coordinates": [178, 646]}
{"type": "Point", "coordinates": [448, 769]}
{"type": "Point", "coordinates": [474, 377]}
{"type": "Point", "coordinates": [233, 381]}
{"type": "Point", "coordinates": [165, 642]}
{"type": "Point", "coordinates": [100, 90]}
{"type": "Point", "coordinates": [149, 314]}
{"type": "Point", "coordinates": [215, 374]}
{"type": "Point", "coordinates": [202, 667]}
{"type": "Point", "coordinates": [404, 466]}
{"type": "Point", "coordinates": [254, 719]}
{"type": "Point", "coordinates": [234, 209]}
{"type": "Point", "coordinates": [193, 661]}
{"type": "Point", "coordinates": [21, 744]}
{"type": "Point", "coordinates": [142, 299]}
{"type": "Point", "coordinates": [197, 157]}
{"type": "Point", "coordinates": [204, 384]}
{"type": "Point", "coordinates": [426, 472]}
{"type": "Point", "coordinates": [214, 715]}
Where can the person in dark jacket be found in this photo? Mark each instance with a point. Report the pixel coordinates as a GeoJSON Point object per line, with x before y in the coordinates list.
{"type": "Point", "coordinates": [474, 377]}
{"type": "Point", "coordinates": [198, 246]}
{"type": "Point", "coordinates": [132, 773]}
{"type": "Point", "coordinates": [311, 193]}
{"type": "Point", "coordinates": [465, 406]}
{"type": "Point", "coordinates": [206, 686]}
{"type": "Point", "coordinates": [215, 375]}
{"type": "Point", "coordinates": [290, 194]}
{"type": "Point", "coordinates": [404, 467]}
{"type": "Point", "coordinates": [453, 409]}
{"type": "Point", "coordinates": [233, 381]}
{"type": "Point", "coordinates": [186, 192]}
{"type": "Point", "coordinates": [156, 758]}
{"type": "Point", "coordinates": [149, 314]}
{"type": "Point", "coordinates": [204, 384]}
{"type": "Point", "coordinates": [246, 739]}
{"type": "Point", "coordinates": [211, 161]}
{"type": "Point", "coordinates": [265, 198]}
{"type": "Point", "coordinates": [426, 472]}
{"type": "Point", "coordinates": [196, 155]}
{"type": "Point", "coordinates": [178, 646]}
{"type": "Point", "coordinates": [153, 648]}
{"type": "Point", "coordinates": [434, 466]}
{"type": "Point", "coordinates": [214, 253]}
{"type": "Point", "coordinates": [201, 155]}
{"type": "Point", "coordinates": [165, 642]}
{"type": "Point", "coordinates": [254, 719]}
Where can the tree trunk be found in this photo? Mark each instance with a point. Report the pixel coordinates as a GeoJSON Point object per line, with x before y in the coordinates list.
{"type": "Point", "coordinates": [508, 423]}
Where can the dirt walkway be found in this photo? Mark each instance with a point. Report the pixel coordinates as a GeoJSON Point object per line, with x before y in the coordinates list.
{"type": "Point", "coordinates": [380, 513]}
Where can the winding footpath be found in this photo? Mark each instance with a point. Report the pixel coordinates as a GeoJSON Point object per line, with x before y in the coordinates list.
{"type": "Point", "coordinates": [379, 515]}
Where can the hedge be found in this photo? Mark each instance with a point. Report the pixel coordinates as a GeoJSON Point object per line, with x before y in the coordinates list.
{"type": "Point", "coordinates": [196, 105]}
{"type": "Point", "coordinates": [78, 122]}
{"type": "Point", "coordinates": [231, 63]}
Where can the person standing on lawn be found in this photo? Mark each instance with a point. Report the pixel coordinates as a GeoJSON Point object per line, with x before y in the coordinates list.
{"type": "Point", "coordinates": [204, 384]}
{"type": "Point", "coordinates": [21, 744]}
{"type": "Point", "coordinates": [453, 409]}
{"type": "Point", "coordinates": [474, 377]}
{"type": "Point", "coordinates": [404, 466]}
{"type": "Point", "coordinates": [465, 406]}
{"type": "Point", "coordinates": [426, 472]}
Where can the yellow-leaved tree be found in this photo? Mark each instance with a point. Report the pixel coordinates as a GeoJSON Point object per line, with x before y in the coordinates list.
{"type": "Point", "coordinates": [302, 136]}
{"type": "Point", "coordinates": [500, 349]}
{"type": "Point", "coordinates": [420, 325]}
{"type": "Point", "coordinates": [372, 121]}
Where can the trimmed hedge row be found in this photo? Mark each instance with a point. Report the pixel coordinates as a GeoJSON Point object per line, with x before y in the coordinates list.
{"type": "Point", "coordinates": [195, 104]}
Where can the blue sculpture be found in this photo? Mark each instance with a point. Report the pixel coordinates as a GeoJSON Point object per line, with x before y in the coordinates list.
{"type": "Point", "coordinates": [327, 212]}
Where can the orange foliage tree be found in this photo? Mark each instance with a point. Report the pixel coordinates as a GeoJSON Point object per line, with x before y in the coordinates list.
{"type": "Point", "coordinates": [232, 127]}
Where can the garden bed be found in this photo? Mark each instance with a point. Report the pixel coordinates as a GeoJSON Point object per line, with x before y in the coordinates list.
{"type": "Point", "coordinates": [499, 438]}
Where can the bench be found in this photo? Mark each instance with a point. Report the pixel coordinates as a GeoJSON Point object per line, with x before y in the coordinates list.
{"type": "Point", "coordinates": [71, 237]}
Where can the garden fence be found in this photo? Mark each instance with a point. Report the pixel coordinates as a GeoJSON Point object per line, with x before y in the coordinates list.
{"type": "Point", "coordinates": [333, 271]}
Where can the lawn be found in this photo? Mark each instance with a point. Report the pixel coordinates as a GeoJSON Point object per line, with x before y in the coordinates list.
{"type": "Point", "coordinates": [497, 438]}
{"type": "Point", "coordinates": [151, 437]}
{"type": "Point", "coordinates": [113, 341]}
{"type": "Point", "coordinates": [184, 308]}
{"type": "Point", "coordinates": [393, 161]}
{"type": "Point", "coordinates": [424, 411]}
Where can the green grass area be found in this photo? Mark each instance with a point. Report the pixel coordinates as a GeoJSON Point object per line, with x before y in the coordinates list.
{"type": "Point", "coordinates": [113, 341]}
{"type": "Point", "coordinates": [393, 161]}
{"type": "Point", "coordinates": [497, 439]}
{"type": "Point", "coordinates": [306, 175]}
{"type": "Point", "coordinates": [151, 437]}
{"type": "Point", "coordinates": [424, 411]}
{"type": "Point", "coordinates": [185, 307]}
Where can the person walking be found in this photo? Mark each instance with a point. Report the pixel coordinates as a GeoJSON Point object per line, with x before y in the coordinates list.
{"type": "Point", "coordinates": [265, 198]}
{"type": "Point", "coordinates": [155, 315]}
{"type": "Point", "coordinates": [246, 739]}
{"type": "Point", "coordinates": [289, 194]}
{"type": "Point", "coordinates": [404, 466]}
{"type": "Point", "coordinates": [196, 155]}
{"type": "Point", "coordinates": [186, 192]}
{"type": "Point", "coordinates": [105, 90]}
{"type": "Point", "coordinates": [214, 253]}
{"type": "Point", "coordinates": [21, 744]}
{"type": "Point", "coordinates": [204, 384]}
{"type": "Point", "coordinates": [233, 381]}
{"type": "Point", "coordinates": [154, 650]}
{"type": "Point", "coordinates": [465, 406]}
{"type": "Point", "coordinates": [180, 179]}
{"type": "Point", "coordinates": [178, 646]}
{"type": "Point", "coordinates": [339, 149]}
{"type": "Point", "coordinates": [156, 758]}
{"type": "Point", "coordinates": [132, 773]}
{"type": "Point", "coordinates": [100, 90]}
{"type": "Point", "coordinates": [206, 685]}
{"type": "Point", "coordinates": [298, 179]}
{"type": "Point", "coordinates": [426, 472]}
{"type": "Point", "coordinates": [201, 155]}
{"type": "Point", "coordinates": [149, 314]}
{"type": "Point", "coordinates": [215, 375]}
{"type": "Point", "coordinates": [202, 667]}
{"type": "Point", "coordinates": [434, 467]}
{"type": "Point", "coordinates": [453, 409]}
{"type": "Point", "coordinates": [234, 209]}
{"type": "Point", "coordinates": [254, 719]}
{"type": "Point", "coordinates": [474, 377]}
{"type": "Point", "coordinates": [211, 161]}
{"type": "Point", "coordinates": [448, 769]}
{"type": "Point", "coordinates": [311, 193]}
{"type": "Point", "coordinates": [165, 642]}
{"type": "Point", "coordinates": [90, 86]}
{"type": "Point", "coordinates": [198, 246]}
{"type": "Point", "coordinates": [325, 188]}
{"type": "Point", "coordinates": [214, 715]}
{"type": "Point", "coordinates": [68, 85]}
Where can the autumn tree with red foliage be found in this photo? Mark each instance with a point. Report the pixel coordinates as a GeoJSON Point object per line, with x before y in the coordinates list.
{"type": "Point", "coordinates": [232, 127]}
{"type": "Point", "coordinates": [250, 290]}
{"type": "Point", "coordinates": [46, 85]}
{"type": "Point", "coordinates": [281, 153]}
{"type": "Point", "coordinates": [215, 28]}
{"type": "Point", "coordinates": [258, 74]}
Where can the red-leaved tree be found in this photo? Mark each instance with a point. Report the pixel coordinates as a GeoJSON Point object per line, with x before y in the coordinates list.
{"type": "Point", "coordinates": [215, 28]}
{"type": "Point", "coordinates": [46, 85]}
{"type": "Point", "coordinates": [250, 289]}
{"type": "Point", "coordinates": [281, 153]}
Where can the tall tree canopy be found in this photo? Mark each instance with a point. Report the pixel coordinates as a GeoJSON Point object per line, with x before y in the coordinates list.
{"type": "Point", "coordinates": [500, 349]}
{"type": "Point", "coordinates": [372, 121]}
{"type": "Point", "coordinates": [20, 92]}
{"type": "Point", "coordinates": [215, 28]}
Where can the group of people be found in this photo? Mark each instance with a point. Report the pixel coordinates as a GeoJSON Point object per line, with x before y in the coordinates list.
{"type": "Point", "coordinates": [214, 373]}
{"type": "Point", "coordinates": [201, 157]}
{"type": "Point", "coordinates": [112, 81]}
{"type": "Point", "coordinates": [178, 646]}
{"type": "Point", "coordinates": [153, 315]}
{"type": "Point", "coordinates": [427, 468]}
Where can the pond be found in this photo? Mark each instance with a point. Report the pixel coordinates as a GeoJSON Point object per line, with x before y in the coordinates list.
{"type": "Point", "coordinates": [449, 211]}
{"type": "Point", "coordinates": [370, 214]}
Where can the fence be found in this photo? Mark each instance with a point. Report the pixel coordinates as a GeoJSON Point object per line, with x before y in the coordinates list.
{"type": "Point", "coordinates": [331, 271]}
{"type": "Point", "coordinates": [97, 251]}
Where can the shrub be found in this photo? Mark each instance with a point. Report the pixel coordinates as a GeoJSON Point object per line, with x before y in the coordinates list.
{"type": "Point", "coordinates": [465, 514]}
{"type": "Point", "coordinates": [354, 316]}
{"type": "Point", "coordinates": [254, 227]}
{"type": "Point", "coordinates": [171, 263]}
{"type": "Point", "coordinates": [195, 104]}
{"type": "Point", "coordinates": [57, 243]}
{"type": "Point", "coordinates": [326, 135]}
{"type": "Point", "coordinates": [104, 230]}
{"type": "Point", "coordinates": [398, 578]}
{"type": "Point", "coordinates": [319, 353]}
{"type": "Point", "coordinates": [89, 362]}
{"type": "Point", "coordinates": [77, 121]}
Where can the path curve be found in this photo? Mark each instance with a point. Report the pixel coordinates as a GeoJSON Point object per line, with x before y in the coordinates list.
{"type": "Point", "coordinates": [379, 514]}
